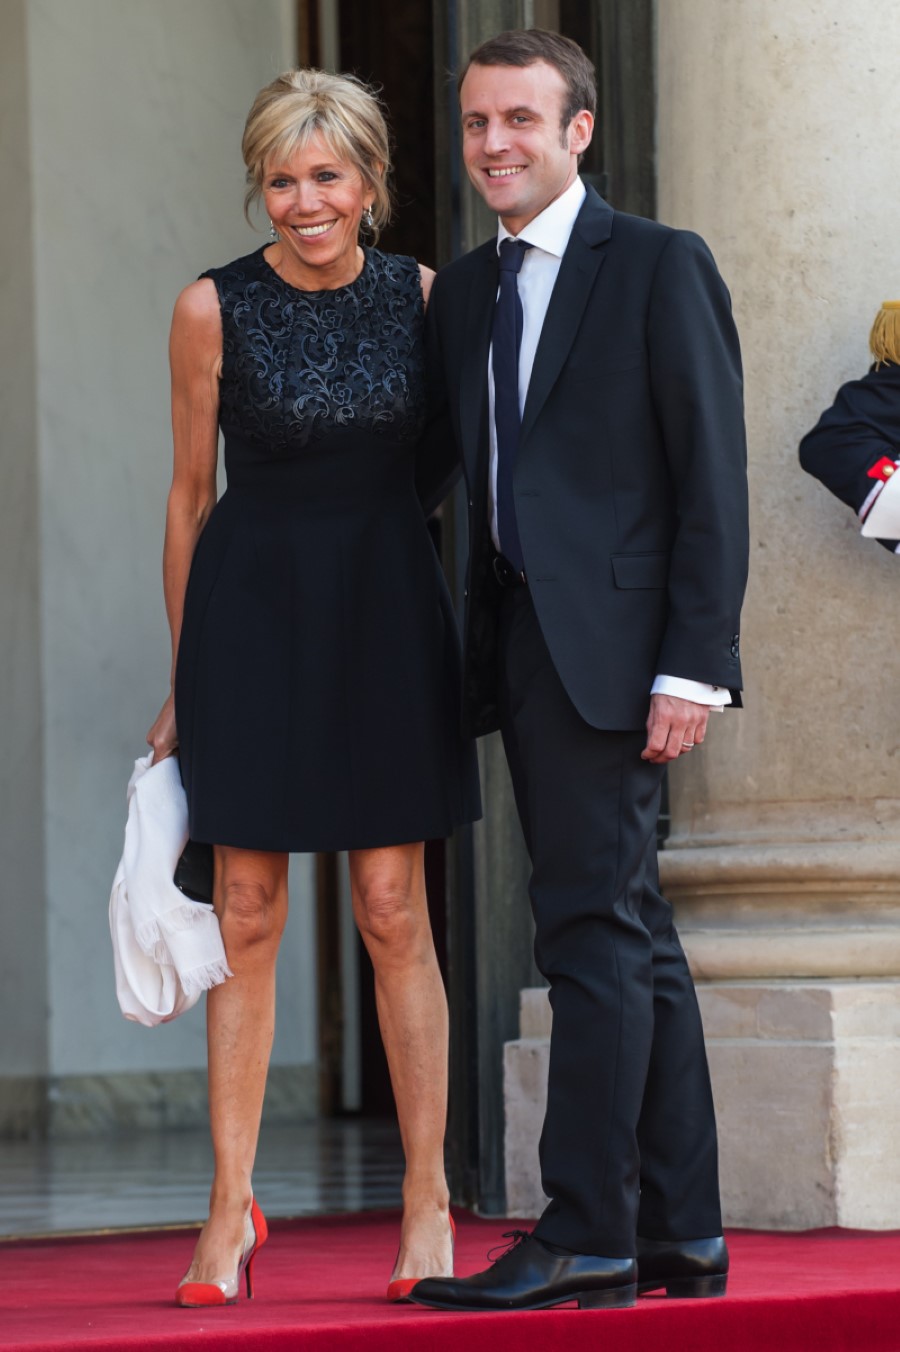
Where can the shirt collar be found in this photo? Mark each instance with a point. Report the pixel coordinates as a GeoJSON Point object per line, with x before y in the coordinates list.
{"type": "Point", "coordinates": [551, 229]}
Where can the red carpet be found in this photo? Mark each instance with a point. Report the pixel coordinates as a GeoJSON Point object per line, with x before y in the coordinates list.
{"type": "Point", "coordinates": [320, 1284]}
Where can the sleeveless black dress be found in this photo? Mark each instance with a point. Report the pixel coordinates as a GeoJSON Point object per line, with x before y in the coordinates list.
{"type": "Point", "coordinates": [317, 692]}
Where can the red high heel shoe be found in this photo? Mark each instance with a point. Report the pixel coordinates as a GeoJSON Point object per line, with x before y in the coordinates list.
{"type": "Point", "coordinates": [399, 1289]}
{"type": "Point", "coordinates": [226, 1290]}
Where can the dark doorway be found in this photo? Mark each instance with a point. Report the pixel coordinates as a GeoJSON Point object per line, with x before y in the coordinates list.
{"type": "Point", "coordinates": [390, 47]}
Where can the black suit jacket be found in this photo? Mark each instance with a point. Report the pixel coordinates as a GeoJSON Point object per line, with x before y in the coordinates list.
{"type": "Point", "coordinates": [861, 427]}
{"type": "Point", "coordinates": [630, 481]}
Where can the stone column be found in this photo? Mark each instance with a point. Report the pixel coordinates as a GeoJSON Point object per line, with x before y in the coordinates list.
{"type": "Point", "coordinates": [784, 859]}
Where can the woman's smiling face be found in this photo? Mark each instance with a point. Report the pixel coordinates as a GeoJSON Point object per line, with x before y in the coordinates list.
{"type": "Point", "coordinates": [315, 202]}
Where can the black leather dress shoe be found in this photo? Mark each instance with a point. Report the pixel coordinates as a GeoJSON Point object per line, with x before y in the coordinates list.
{"type": "Point", "coordinates": [532, 1275]}
{"type": "Point", "coordinates": [687, 1267]}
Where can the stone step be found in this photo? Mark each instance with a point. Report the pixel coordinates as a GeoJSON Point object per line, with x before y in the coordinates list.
{"type": "Point", "coordinates": [806, 1080]}
{"type": "Point", "coordinates": [535, 1014]}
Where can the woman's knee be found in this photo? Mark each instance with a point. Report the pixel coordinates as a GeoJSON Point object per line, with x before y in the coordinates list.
{"type": "Point", "coordinates": [250, 911]}
{"type": "Point", "coordinates": [389, 914]}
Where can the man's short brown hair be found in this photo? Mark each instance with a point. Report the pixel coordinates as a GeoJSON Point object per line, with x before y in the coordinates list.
{"type": "Point", "coordinates": [525, 46]}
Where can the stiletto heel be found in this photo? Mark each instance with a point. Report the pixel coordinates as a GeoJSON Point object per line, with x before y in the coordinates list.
{"type": "Point", "coordinates": [226, 1291]}
{"type": "Point", "coordinates": [399, 1289]}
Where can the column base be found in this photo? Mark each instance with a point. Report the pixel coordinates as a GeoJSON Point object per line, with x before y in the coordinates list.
{"type": "Point", "coordinates": [525, 1066]}
{"type": "Point", "coordinates": [795, 910]}
{"type": "Point", "coordinates": [806, 1079]}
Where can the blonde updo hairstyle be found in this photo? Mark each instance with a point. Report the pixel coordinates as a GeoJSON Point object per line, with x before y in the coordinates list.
{"type": "Point", "coordinates": [347, 113]}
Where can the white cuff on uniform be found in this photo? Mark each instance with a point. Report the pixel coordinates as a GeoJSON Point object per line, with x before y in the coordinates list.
{"type": "Point", "coordinates": [882, 521]}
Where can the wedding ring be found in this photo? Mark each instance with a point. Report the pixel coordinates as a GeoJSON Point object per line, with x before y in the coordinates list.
{"type": "Point", "coordinates": [686, 746]}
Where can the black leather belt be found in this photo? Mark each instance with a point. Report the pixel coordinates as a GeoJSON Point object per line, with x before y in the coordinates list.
{"type": "Point", "coordinates": [506, 574]}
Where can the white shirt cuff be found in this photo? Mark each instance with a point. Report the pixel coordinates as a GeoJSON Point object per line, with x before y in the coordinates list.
{"type": "Point", "coordinates": [716, 696]}
{"type": "Point", "coordinates": [882, 521]}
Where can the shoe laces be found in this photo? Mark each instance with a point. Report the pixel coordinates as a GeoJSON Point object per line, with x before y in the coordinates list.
{"type": "Point", "coordinates": [515, 1237]}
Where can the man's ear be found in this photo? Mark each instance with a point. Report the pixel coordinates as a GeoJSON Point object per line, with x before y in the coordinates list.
{"type": "Point", "coordinates": [581, 129]}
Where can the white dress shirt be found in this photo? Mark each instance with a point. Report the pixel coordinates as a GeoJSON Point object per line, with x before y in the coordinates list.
{"type": "Point", "coordinates": [548, 234]}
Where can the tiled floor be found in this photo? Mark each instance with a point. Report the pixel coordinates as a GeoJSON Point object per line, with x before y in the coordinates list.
{"type": "Point", "coordinates": [162, 1178]}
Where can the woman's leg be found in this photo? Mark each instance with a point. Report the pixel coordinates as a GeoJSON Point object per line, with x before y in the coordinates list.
{"type": "Point", "coordinates": [388, 888]}
{"type": "Point", "coordinates": [251, 899]}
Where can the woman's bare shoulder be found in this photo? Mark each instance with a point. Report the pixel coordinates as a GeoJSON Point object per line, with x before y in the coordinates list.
{"type": "Point", "coordinates": [197, 306]}
{"type": "Point", "coordinates": [427, 276]}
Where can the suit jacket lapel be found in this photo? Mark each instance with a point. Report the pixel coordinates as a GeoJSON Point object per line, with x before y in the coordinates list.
{"type": "Point", "coordinates": [476, 341]}
{"type": "Point", "coordinates": [578, 270]}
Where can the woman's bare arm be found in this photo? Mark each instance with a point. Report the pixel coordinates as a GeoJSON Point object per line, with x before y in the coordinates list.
{"type": "Point", "coordinates": [195, 356]}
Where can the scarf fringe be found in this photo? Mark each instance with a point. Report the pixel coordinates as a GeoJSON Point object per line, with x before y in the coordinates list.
{"type": "Point", "coordinates": [204, 978]}
{"type": "Point", "coordinates": [152, 939]}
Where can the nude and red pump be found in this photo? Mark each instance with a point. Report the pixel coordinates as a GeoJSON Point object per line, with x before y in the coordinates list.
{"type": "Point", "coordinates": [399, 1289]}
{"type": "Point", "coordinates": [226, 1290]}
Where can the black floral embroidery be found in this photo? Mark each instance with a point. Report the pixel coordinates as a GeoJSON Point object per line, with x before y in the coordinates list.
{"type": "Point", "coordinates": [298, 363]}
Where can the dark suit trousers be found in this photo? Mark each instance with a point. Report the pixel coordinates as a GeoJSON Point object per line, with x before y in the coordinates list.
{"type": "Point", "coordinates": [629, 1139]}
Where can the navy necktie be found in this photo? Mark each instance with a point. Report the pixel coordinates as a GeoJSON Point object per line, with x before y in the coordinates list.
{"type": "Point", "coordinates": [507, 340]}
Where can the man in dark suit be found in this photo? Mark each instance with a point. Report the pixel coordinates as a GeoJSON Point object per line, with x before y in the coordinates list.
{"type": "Point", "coordinates": [586, 370]}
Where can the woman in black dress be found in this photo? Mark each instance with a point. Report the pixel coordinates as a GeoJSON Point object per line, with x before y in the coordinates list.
{"type": "Point", "coordinates": [315, 655]}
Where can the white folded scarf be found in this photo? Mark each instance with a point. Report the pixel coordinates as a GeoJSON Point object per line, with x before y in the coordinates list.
{"type": "Point", "coordinates": [166, 948]}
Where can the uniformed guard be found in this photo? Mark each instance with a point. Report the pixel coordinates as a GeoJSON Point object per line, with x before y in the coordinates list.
{"type": "Point", "coordinates": [854, 448]}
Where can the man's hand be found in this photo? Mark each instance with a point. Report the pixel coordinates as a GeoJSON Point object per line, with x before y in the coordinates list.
{"type": "Point", "coordinates": [674, 726]}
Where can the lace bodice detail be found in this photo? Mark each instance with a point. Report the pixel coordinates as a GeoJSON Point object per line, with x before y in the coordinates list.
{"type": "Point", "coordinates": [299, 364]}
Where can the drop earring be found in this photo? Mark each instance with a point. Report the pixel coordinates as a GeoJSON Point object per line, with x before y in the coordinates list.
{"type": "Point", "coordinates": [368, 220]}
{"type": "Point", "coordinates": [273, 233]}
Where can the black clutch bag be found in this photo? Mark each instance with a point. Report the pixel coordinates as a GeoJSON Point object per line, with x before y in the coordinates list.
{"type": "Point", "coordinates": [194, 872]}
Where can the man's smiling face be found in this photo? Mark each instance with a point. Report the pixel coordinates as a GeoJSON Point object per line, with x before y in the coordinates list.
{"type": "Point", "coordinates": [516, 151]}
